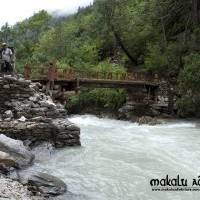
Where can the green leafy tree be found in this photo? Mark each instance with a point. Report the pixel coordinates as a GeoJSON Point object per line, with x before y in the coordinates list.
{"type": "Point", "coordinates": [128, 22]}
{"type": "Point", "coordinates": [5, 33]}
{"type": "Point", "coordinates": [27, 32]}
{"type": "Point", "coordinates": [189, 83]}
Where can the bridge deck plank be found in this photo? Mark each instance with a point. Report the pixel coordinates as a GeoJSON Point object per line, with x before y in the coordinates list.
{"type": "Point", "coordinates": [100, 81]}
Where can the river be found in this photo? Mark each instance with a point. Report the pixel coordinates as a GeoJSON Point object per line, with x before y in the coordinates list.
{"type": "Point", "coordinates": [118, 159]}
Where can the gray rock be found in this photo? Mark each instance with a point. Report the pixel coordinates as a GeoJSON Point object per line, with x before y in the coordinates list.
{"type": "Point", "coordinates": [8, 119]}
{"type": "Point", "coordinates": [149, 120]}
{"type": "Point", "coordinates": [6, 86]}
{"type": "Point", "coordinates": [4, 169]}
{"type": "Point", "coordinates": [46, 184]}
{"type": "Point", "coordinates": [8, 114]}
{"type": "Point", "coordinates": [16, 149]}
{"type": "Point", "coordinates": [13, 174]}
{"type": "Point", "coordinates": [22, 119]}
{"type": "Point", "coordinates": [73, 127]}
{"type": "Point", "coordinates": [34, 86]}
{"type": "Point", "coordinates": [8, 160]}
{"type": "Point", "coordinates": [47, 104]}
{"type": "Point", "coordinates": [34, 99]}
{"type": "Point", "coordinates": [37, 119]}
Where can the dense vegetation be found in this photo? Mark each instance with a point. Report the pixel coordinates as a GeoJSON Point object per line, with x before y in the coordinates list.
{"type": "Point", "coordinates": [147, 35]}
{"type": "Point", "coordinates": [104, 99]}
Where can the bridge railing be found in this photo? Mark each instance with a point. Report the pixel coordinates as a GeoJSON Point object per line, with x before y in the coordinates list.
{"type": "Point", "coordinates": [82, 74]}
{"type": "Point", "coordinates": [35, 72]}
{"type": "Point", "coordinates": [54, 73]}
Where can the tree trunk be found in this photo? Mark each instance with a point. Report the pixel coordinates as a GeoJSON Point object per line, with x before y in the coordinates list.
{"type": "Point", "coordinates": [109, 13]}
{"type": "Point", "coordinates": [119, 41]}
{"type": "Point", "coordinates": [195, 13]}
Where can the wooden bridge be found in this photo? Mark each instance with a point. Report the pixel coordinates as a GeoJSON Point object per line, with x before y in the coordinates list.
{"type": "Point", "coordinates": [143, 88]}
{"type": "Point", "coordinates": [69, 78]}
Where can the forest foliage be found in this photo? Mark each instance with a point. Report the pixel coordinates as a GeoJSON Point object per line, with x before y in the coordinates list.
{"type": "Point", "coordinates": [161, 36]}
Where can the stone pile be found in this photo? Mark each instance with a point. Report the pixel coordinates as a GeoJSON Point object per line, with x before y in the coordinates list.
{"type": "Point", "coordinates": [26, 113]}
{"type": "Point", "coordinates": [28, 118]}
{"type": "Point", "coordinates": [132, 112]}
{"type": "Point", "coordinates": [27, 99]}
{"type": "Point", "coordinates": [15, 156]}
{"type": "Point", "coordinates": [60, 133]}
{"type": "Point", "coordinates": [157, 107]}
{"type": "Point", "coordinates": [67, 134]}
{"type": "Point", "coordinates": [162, 95]}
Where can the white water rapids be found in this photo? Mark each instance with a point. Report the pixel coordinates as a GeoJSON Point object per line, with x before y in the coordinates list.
{"type": "Point", "coordinates": [118, 159]}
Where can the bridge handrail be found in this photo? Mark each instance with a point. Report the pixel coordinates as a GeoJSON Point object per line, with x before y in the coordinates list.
{"type": "Point", "coordinates": [35, 71]}
{"type": "Point", "coordinates": [89, 74]}
{"type": "Point", "coordinates": [54, 72]}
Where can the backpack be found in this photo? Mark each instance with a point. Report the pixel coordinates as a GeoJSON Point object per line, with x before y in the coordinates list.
{"type": "Point", "coordinates": [13, 53]}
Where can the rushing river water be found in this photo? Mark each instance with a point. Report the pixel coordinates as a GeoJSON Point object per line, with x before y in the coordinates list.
{"type": "Point", "coordinates": [118, 159]}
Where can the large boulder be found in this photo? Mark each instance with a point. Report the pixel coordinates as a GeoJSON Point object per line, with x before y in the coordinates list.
{"type": "Point", "coordinates": [14, 153]}
{"type": "Point", "coordinates": [149, 120]}
{"type": "Point", "coordinates": [46, 184]}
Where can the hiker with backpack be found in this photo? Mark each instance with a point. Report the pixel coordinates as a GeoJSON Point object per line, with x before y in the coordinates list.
{"type": "Point", "coordinates": [7, 58]}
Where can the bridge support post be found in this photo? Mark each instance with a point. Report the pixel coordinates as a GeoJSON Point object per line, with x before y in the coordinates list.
{"type": "Point", "coordinates": [77, 88]}
{"type": "Point", "coordinates": [27, 71]}
{"type": "Point", "coordinates": [52, 76]}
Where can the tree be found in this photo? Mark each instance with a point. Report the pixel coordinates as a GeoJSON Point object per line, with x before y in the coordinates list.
{"type": "Point", "coordinates": [128, 23]}
{"type": "Point", "coordinates": [189, 83]}
{"type": "Point", "coordinates": [5, 33]}
{"type": "Point", "coordinates": [27, 32]}
{"type": "Point", "coordinates": [195, 15]}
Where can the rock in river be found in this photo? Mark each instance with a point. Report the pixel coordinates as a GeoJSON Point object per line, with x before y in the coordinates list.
{"type": "Point", "coordinates": [14, 153]}
{"type": "Point", "coordinates": [46, 184]}
{"type": "Point", "coordinates": [149, 120]}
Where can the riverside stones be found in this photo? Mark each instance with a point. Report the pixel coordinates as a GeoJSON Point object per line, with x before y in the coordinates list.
{"type": "Point", "coordinates": [8, 114]}
{"type": "Point", "coordinates": [133, 112]}
{"type": "Point", "coordinates": [59, 132]}
{"type": "Point", "coordinates": [10, 189]}
{"type": "Point", "coordinates": [29, 115]}
{"type": "Point", "coordinates": [7, 160]}
{"type": "Point", "coordinates": [148, 120]}
{"type": "Point", "coordinates": [46, 184]}
{"type": "Point", "coordinates": [24, 98]}
{"type": "Point", "coordinates": [67, 133]}
{"type": "Point", "coordinates": [13, 153]}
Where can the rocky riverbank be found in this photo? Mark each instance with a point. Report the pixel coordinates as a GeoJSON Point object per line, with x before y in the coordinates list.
{"type": "Point", "coordinates": [139, 103]}
{"type": "Point", "coordinates": [29, 118]}
{"type": "Point", "coordinates": [26, 113]}
{"type": "Point", "coordinates": [10, 189]}
{"type": "Point", "coordinates": [14, 156]}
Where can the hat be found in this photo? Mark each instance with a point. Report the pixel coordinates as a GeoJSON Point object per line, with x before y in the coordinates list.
{"type": "Point", "coordinates": [4, 44]}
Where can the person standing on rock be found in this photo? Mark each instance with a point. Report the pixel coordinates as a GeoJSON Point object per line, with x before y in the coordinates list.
{"type": "Point", "coordinates": [6, 59]}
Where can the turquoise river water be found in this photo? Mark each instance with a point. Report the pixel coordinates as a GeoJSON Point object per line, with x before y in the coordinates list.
{"type": "Point", "coordinates": [118, 159]}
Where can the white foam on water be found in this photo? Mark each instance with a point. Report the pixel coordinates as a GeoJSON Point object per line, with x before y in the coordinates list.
{"type": "Point", "coordinates": [181, 125]}
{"type": "Point", "coordinates": [118, 159]}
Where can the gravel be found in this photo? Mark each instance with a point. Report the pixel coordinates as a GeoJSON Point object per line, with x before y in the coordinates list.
{"type": "Point", "coordinates": [13, 190]}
